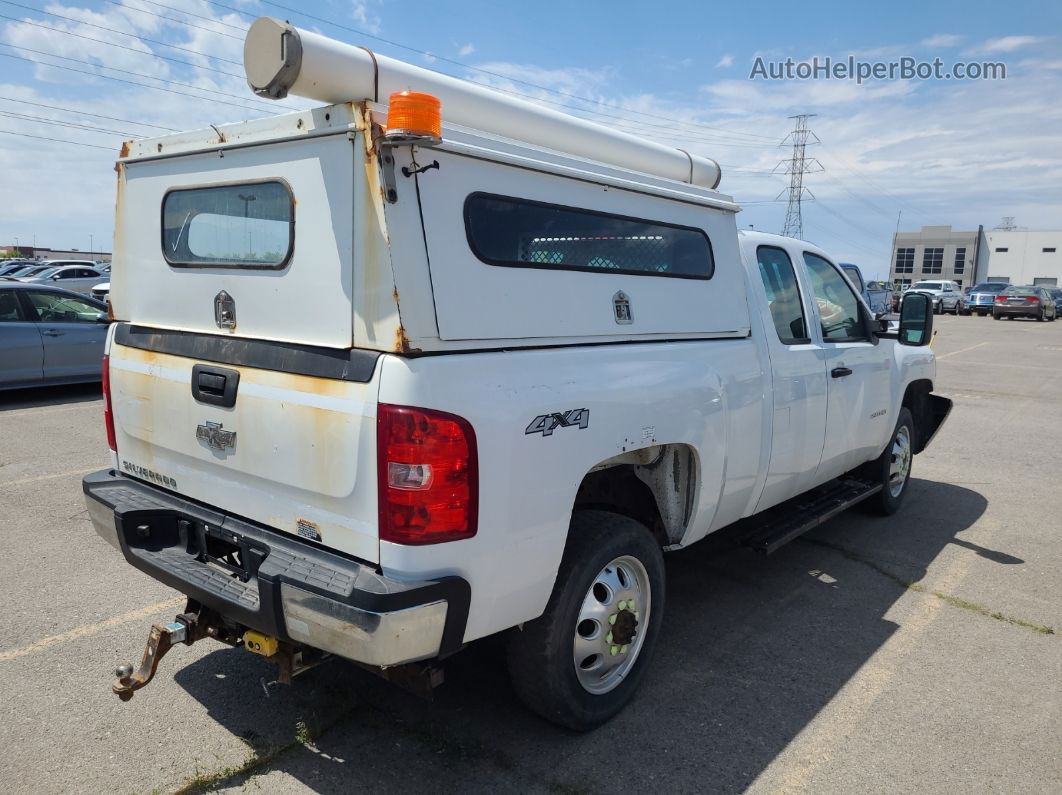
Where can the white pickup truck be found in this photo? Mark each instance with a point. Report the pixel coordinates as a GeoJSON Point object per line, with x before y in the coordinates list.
{"type": "Point", "coordinates": [381, 385]}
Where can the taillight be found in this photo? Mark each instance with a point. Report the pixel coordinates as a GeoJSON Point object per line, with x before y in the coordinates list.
{"type": "Point", "coordinates": [427, 471]}
{"type": "Point", "coordinates": [108, 414]}
{"type": "Point", "coordinates": [1001, 299]}
{"type": "Point", "coordinates": [1032, 300]}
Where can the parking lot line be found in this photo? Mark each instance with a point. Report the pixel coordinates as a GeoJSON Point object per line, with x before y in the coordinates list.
{"type": "Point", "coordinates": [39, 478]}
{"type": "Point", "coordinates": [90, 629]}
{"type": "Point", "coordinates": [961, 350]}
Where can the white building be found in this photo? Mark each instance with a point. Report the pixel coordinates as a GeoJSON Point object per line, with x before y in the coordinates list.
{"type": "Point", "coordinates": [1015, 256]}
{"type": "Point", "coordinates": [1021, 256]}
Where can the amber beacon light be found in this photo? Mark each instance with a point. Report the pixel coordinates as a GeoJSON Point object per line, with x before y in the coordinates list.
{"type": "Point", "coordinates": [414, 118]}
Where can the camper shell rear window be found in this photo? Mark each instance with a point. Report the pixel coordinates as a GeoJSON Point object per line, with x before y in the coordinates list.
{"type": "Point", "coordinates": [246, 225]}
{"type": "Point", "coordinates": [521, 233]}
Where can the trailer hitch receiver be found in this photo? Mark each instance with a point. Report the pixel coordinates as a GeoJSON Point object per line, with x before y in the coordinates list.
{"type": "Point", "coordinates": [185, 629]}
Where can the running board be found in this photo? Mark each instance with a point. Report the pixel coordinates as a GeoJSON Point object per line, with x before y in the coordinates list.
{"type": "Point", "coordinates": [779, 525]}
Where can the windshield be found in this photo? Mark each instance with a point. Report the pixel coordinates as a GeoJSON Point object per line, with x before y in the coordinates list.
{"type": "Point", "coordinates": [34, 271]}
{"type": "Point", "coordinates": [990, 287]}
{"type": "Point", "coordinates": [45, 273]}
{"type": "Point", "coordinates": [927, 286]}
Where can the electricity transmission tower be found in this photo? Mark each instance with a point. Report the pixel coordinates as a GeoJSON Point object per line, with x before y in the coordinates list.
{"type": "Point", "coordinates": [796, 167]}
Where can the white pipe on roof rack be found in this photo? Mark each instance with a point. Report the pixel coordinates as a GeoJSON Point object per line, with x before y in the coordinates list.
{"type": "Point", "coordinates": [281, 59]}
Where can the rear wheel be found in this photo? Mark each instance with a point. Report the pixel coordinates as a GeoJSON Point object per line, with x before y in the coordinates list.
{"type": "Point", "coordinates": [1040, 318]}
{"type": "Point", "coordinates": [581, 661]}
{"type": "Point", "coordinates": [893, 467]}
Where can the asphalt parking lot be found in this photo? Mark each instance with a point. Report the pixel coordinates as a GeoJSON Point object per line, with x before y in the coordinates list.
{"type": "Point", "coordinates": [918, 652]}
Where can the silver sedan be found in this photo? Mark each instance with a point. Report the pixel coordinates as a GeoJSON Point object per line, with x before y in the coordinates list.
{"type": "Point", "coordinates": [80, 277]}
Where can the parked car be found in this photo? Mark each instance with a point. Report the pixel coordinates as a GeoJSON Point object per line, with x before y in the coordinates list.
{"type": "Point", "coordinates": [286, 455]}
{"type": "Point", "coordinates": [102, 291]}
{"type": "Point", "coordinates": [79, 277]}
{"type": "Point", "coordinates": [49, 335]}
{"type": "Point", "coordinates": [1027, 301]}
{"type": "Point", "coordinates": [9, 265]}
{"type": "Point", "coordinates": [982, 296]}
{"type": "Point", "coordinates": [1056, 296]}
{"type": "Point", "coordinates": [946, 295]}
{"type": "Point", "coordinates": [878, 295]}
{"type": "Point", "coordinates": [25, 270]}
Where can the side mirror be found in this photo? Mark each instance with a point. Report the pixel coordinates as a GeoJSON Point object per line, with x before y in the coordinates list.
{"type": "Point", "coordinates": [102, 317]}
{"type": "Point", "coordinates": [916, 319]}
{"type": "Point", "coordinates": [55, 278]}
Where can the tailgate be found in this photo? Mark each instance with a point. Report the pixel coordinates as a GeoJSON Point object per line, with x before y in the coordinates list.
{"type": "Point", "coordinates": [294, 451]}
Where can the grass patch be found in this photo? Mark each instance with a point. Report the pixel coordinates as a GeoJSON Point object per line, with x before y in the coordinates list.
{"type": "Point", "coordinates": [954, 601]}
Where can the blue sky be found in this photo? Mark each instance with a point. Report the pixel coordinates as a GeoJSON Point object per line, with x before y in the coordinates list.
{"type": "Point", "coordinates": [948, 152]}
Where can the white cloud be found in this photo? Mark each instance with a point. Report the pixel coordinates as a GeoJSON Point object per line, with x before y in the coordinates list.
{"type": "Point", "coordinates": [363, 14]}
{"type": "Point", "coordinates": [1006, 44]}
{"type": "Point", "coordinates": [942, 40]}
{"type": "Point", "coordinates": [725, 61]}
{"type": "Point", "coordinates": [466, 50]}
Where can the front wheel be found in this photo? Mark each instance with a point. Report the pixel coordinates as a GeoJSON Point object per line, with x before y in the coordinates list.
{"type": "Point", "coordinates": [580, 662]}
{"type": "Point", "coordinates": [893, 467]}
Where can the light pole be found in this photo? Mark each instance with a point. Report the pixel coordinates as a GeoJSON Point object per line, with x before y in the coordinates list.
{"type": "Point", "coordinates": [92, 246]}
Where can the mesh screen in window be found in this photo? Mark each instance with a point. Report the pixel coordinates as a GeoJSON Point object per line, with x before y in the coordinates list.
{"type": "Point", "coordinates": [521, 233]}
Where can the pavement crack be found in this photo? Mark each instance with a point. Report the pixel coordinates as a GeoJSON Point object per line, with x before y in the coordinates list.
{"type": "Point", "coordinates": [954, 601]}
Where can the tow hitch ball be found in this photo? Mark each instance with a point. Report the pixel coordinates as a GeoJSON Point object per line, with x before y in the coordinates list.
{"type": "Point", "coordinates": [163, 637]}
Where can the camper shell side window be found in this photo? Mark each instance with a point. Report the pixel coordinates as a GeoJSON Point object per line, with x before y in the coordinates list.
{"type": "Point", "coordinates": [521, 233]}
{"type": "Point", "coordinates": [243, 225]}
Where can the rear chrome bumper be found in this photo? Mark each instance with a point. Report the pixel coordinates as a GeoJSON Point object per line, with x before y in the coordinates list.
{"type": "Point", "coordinates": [283, 587]}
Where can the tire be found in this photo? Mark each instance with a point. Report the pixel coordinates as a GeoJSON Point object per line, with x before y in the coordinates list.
{"type": "Point", "coordinates": [996, 317]}
{"type": "Point", "coordinates": [956, 310]}
{"type": "Point", "coordinates": [887, 501]}
{"type": "Point", "coordinates": [1040, 318]}
{"type": "Point", "coordinates": [542, 656]}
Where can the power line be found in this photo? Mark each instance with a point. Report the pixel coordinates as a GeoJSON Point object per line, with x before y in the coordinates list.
{"type": "Point", "coordinates": [171, 19]}
{"type": "Point", "coordinates": [57, 140]}
{"type": "Point", "coordinates": [73, 125]}
{"type": "Point", "coordinates": [463, 65]}
{"type": "Point", "coordinates": [132, 82]}
{"type": "Point", "coordinates": [86, 113]}
{"type": "Point", "coordinates": [197, 16]}
{"type": "Point", "coordinates": [123, 71]}
{"type": "Point", "coordinates": [148, 54]}
{"type": "Point", "coordinates": [119, 32]}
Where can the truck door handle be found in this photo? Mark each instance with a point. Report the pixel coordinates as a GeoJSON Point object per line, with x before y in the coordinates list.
{"type": "Point", "coordinates": [840, 372]}
{"type": "Point", "coordinates": [215, 386]}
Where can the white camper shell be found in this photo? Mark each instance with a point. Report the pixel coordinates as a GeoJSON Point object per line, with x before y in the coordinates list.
{"type": "Point", "coordinates": [381, 397]}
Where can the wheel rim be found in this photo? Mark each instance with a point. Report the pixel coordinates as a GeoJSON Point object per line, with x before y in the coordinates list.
{"type": "Point", "coordinates": [900, 466]}
{"type": "Point", "coordinates": [610, 628]}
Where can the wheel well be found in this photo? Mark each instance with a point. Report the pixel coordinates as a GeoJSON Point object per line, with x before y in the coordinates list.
{"type": "Point", "coordinates": [654, 486]}
{"type": "Point", "coordinates": [916, 400]}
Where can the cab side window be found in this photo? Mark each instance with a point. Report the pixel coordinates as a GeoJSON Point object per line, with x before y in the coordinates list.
{"type": "Point", "coordinates": [783, 295]}
{"type": "Point", "coordinates": [838, 305]}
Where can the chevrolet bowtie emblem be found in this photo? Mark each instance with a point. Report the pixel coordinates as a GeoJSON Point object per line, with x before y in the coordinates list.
{"type": "Point", "coordinates": [215, 436]}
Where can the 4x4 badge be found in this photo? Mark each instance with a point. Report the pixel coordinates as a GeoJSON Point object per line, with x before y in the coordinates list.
{"type": "Point", "coordinates": [215, 436]}
{"type": "Point", "coordinates": [546, 424]}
